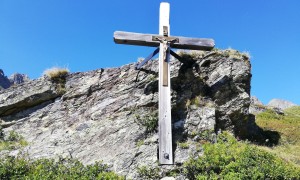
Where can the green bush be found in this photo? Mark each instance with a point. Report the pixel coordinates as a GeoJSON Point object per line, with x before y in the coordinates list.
{"type": "Point", "coordinates": [148, 173]}
{"type": "Point", "coordinates": [12, 141]}
{"type": "Point", "coordinates": [20, 168]}
{"type": "Point", "coordinates": [150, 122]}
{"type": "Point", "coordinates": [229, 159]}
{"type": "Point", "coordinates": [14, 136]}
{"type": "Point", "coordinates": [183, 145]}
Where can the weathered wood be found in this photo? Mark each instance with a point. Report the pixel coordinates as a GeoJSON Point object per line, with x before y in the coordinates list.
{"type": "Point", "coordinates": [121, 37]}
{"type": "Point", "coordinates": [164, 106]}
{"type": "Point", "coordinates": [165, 42]}
{"type": "Point", "coordinates": [165, 70]}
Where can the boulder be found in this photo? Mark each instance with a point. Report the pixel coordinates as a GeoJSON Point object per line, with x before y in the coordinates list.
{"type": "Point", "coordinates": [110, 115]}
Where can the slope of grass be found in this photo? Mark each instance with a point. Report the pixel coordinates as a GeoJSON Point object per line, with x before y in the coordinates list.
{"type": "Point", "coordinates": [288, 126]}
{"type": "Point", "coordinates": [230, 159]}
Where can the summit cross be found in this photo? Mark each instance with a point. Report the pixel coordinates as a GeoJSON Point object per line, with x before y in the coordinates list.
{"type": "Point", "coordinates": [163, 42]}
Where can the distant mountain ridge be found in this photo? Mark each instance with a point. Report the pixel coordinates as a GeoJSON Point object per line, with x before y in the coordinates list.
{"type": "Point", "coordinates": [281, 103]}
{"type": "Point", "coordinates": [17, 78]}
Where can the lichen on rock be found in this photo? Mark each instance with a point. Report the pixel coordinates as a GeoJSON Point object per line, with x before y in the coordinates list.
{"type": "Point", "coordinates": [99, 117]}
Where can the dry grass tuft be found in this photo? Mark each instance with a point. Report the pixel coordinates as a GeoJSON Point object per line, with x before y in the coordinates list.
{"type": "Point", "coordinates": [58, 77]}
{"type": "Point", "coordinates": [56, 72]}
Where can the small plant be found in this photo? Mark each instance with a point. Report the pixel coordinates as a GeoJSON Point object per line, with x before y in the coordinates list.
{"type": "Point", "coordinates": [12, 141]}
{"type": "Point", "coordinates": [196, 101]}
{"type": "Point", "coordinates": [152, 77]}
{"type": "Point", "coordinates": [140, 143]}
{"type": "Point", "coordinates": [56, 72]}
{"type": "Point", "coordinates": [14, 136]}
{"type": "Point", "coordinates": [148, 173]}
{"type": "Point", "coordinates": [229, 159]}
{"type": "Point", "coordinates": [183, 145]}
{"type": "Point", "coordinates": [204, 136]}
{"type": "Point", "coordinates": [58, 76]}
{"type": "Point", "coordinates": [150, 122]}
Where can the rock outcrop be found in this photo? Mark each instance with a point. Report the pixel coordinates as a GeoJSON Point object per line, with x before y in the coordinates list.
{"type": "Point", "coordinates": [16, 78]}
{"type": "Point", "coordinates": [111, 114]}
{"type": "Point", "coordinates": [4, 81]}
{"type": "Point", "coordinates": [256, 106]}
{"type": "Point", "coordinates": [281, 104]}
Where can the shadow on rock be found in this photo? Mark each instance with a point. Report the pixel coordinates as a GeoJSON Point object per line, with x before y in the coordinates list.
{"type": "Point", "coordinates": [185, 87]}
{"type": "Point", "coordinates": [260, 136]}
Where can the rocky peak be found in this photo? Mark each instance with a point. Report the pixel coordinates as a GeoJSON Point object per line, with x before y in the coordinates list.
{"type": "Point", "coordinates": [256, 101]}
{"type": "Point", "coordinates": [16, 78]}
{"type": "Point", "coordinates": [256, 106]}
{"type": "Point", "coordinates": [111, 114]}
{"type": "Point", "coordinates": [281, 104]}
{"type": "Point", "coordinates": [4, 81]}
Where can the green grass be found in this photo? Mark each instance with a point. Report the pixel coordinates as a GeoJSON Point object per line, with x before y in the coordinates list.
{"type": "Point", "coordinates": [12, 141]}
{"type": "Point", "coordinates": [230, 159]}
{"type": "Point", "coordinates": [288, 126]}
{"type": "Point", "coordinates": [183, 145]}
{"type": "Point", "coordinates": [67, 169]}
{"type": "Point", "coordinates": [145, 172]}
{"type": "Point", "coordinates": [150, 122]}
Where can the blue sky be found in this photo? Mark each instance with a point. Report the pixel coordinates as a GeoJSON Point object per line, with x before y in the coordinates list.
{"type": "Point", "coordinates": [36, 35]}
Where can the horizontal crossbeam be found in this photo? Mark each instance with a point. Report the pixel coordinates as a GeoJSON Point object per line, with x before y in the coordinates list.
{"type": "Point", "coordinates": [121, 37]}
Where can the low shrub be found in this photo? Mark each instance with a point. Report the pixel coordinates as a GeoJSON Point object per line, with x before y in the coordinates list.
{"type": "Point", "coordinates": [229, 159]}
{"type": "Point", "coordinates": [20, 168]}
{"type": "Point", "coordinates": [183, 145]}
{"type": "Point", "coordinates": [150, 122]}
{"type": "Point", "coordinates": [12, 141]}
{"type": "Point", "coordinates": [148, 173]}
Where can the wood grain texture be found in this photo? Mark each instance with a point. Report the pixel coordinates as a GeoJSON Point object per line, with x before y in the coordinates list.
{"type": "Point", "coordinates": [164, 106]}
{"type": "Point", "coordinates": [165, 71]}
{"type": "Point", "coordinates": [130, 38]}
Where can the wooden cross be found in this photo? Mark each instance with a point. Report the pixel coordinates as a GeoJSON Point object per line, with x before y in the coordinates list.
{"type": "Point", "coordinates": [164, 41]}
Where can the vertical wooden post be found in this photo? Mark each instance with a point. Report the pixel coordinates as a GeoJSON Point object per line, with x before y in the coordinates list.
{"type": "Point", "coordinates": [165, 126]}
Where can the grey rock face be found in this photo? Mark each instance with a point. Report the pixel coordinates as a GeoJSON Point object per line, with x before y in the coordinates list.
{"type": "Point", "coordinates": [256, 106]}
{"type": "Point", "coordinates": [22, 97]}
{"type": "Point", "coordinates": [4, 81]}
{"type": "Point", "coordinates": [102, 115]}
{"type": "Point", "coordinates": [18, 78]}
{"type": "Point", "coordinates": [254, 100]}
{"type": "Point", "coordinates": [13, 79]}
{"type": "Point", "coordinates": [281, 104]}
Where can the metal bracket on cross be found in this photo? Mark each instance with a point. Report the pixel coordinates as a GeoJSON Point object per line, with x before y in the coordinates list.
{"type": "Point", "coordinates": [163, 42]}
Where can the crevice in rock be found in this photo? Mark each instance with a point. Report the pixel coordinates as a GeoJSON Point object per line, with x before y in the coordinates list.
{"type": "Point", "coordinates": [28, 102]}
